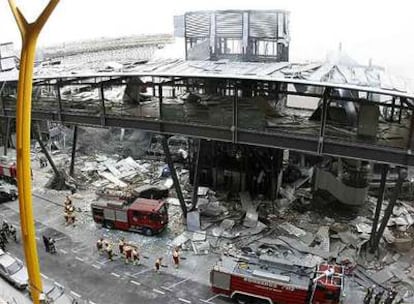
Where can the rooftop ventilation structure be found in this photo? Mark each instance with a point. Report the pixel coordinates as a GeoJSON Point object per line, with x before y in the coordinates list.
{"type": "Point", "coordinates": [237, 35]}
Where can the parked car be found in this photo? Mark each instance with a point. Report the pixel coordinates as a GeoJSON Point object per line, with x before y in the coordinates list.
{"type": "Point", "coordinates": [54, 293]}
{"type": "Point", "coordinates": [7, 195]}
{"type": "Point", "coordinates": [13, 270]}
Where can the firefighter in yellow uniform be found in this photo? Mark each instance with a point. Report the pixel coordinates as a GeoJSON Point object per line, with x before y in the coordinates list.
{"type": "Point", "coordinates": [108, 250]}
{"type": "Point", "coordinates": [176, 257]}
{"type": "Point", "coordinates": [69, 211]}
{"type": "Point", "coordinates": [121, 246]}
{"type": "Point", "coordinates": [158, 264]}
{"type": "Point", "coordinates": [135, 256]}
{"type": "Point", "coordinates": [99, 244]}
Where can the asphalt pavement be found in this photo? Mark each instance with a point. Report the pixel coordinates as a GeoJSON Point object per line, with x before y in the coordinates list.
{"type": "Point", "coordinates": [91, 277]}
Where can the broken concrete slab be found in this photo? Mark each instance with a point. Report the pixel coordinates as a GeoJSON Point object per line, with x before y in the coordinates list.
{"type": "Point", "coordinates": [181, 239]}
{"type": "Point", "coordinates": [383, 275]}
{"type": "Point", "coordinates": [201, 247]}
{"type": "Point", "coordinates": [364, 228]}
{"type": "Point", "coordinates": [252, 216]}
{"type": "Point", "coordinates": [113, 179]}
{"type": "Point", "coordinates": [193, 221]}
{"type": "Point", "coordinates": [199, 236]}
{"type": "Point", "coordinates": [299, 246]}
{"type": "Point", "coordinates": [292, 229]}
{"type": "Point", "coordinates": [322, 239]}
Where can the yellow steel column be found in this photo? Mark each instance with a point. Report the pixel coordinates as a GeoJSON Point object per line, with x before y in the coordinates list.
{"type": "Point", "coordinates": [29, 33]}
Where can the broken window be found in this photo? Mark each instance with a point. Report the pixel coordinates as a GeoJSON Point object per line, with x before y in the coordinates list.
{"type": "Point", "coordinates": [229, 46]}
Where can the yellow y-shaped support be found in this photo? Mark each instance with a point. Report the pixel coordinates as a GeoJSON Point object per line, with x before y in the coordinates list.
{"type": "Point", "coordinates": [29, 33]}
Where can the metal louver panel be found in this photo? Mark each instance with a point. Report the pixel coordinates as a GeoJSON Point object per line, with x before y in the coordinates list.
{"type": "Point", "coordinates": [263, 25]}
{"type": "Point", "coordinates": [229, 24]}
{"type": "Point", "coordinates": [197, 25]}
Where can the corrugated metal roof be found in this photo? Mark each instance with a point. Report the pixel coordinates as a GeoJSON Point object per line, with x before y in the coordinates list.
{"type": "Point", "coordinates": [363, 78]}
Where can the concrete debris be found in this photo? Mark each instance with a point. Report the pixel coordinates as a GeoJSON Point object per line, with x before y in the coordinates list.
{"type": "Point", "coordinates": [363, 228]}
{"type": "Point", "coordinates": [321, 241]}
{"type": "Point", "coordinates": [201, 247]}
{"type": "Point", "coordinates": [181, 239]}
{"type": "Point", "coordinates": [113, 179]}
{"type": "Point", "coordinates": [193, 221]}
{"type": "Point", "coordinates": [199, 236]}
{"type": "Point", "coordinates": [252, 216]}
{"type": "Point", "coordinates": [291, 229]}
{"type": "Point", "coordinates": [383, 275]}
{"type": "Point", "coordinates": [202, 191]}
{"type": "Point", "coordinates": [151, 191]}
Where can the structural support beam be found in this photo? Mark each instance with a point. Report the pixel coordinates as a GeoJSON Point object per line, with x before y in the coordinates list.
{"type": "Point", "coordinates": [402, 174]}
{"type": "Point", "coordinates": [174, 175]}
{"type": "Point", "coordinates": [324, 115]}
{"type": "Point", "coordinates": [74, 143]}
{"type": "Point", "coordinates": [49, 158]}
{"type": "Point", "coordinates": [7, 136]}
{"type": "Point", "coordinates": [196, 173]}
{"type": "Point", "coordinates": [381, 191]}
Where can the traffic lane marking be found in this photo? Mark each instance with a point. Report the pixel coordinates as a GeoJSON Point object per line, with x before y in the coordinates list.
{"type": "Point", "coordinates": [135, 283]}
{"type": "Point", "coordinates": [75, 294]}
{"type": "Point", "coordinates": [158, 291]}
{"type": "Point", "coordinates": [141, 272]}
{"type": "Point", "coordinates": [209, 300]}
{"type": "Point", "coordinates": [175, 284]}
{"type": "Point", "coordinates": [184, 300]}
{"type": "Point", "coordinates": [44, 276]}
{"type": "Point", "coordinates": [63, 251]}
{"type": "Point", "coordinates": [80, 248]}
{"type": "Point", "coordinates": [79, 259]}
{"type": "Point", "coordinates": [115, 274]}
{"type": "Point", "coordinates": [96, 266]}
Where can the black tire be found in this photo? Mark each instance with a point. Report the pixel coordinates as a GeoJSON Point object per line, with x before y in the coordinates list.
{"type": "Point", "coordinates": [108, 224]}
{"type": "Point", "coordinates": [244, 299]}
{"type": "Point", "coordinates": [148, 231]}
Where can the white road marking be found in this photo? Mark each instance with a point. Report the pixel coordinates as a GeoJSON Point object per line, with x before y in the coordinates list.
{"type": "Point", "coordinates": [75, 294]}
{"type": "Point", "coordinates": [166, 288]}
{"type": "Point", "coordinates": [79, 259]}
{"type": "Point", "coordinates": [136, 283]}
{"type": "Point", "coordinates": [96, 266]}
{"type": "Point", "coordinates": [63, 251]}
{"type": "Point", "coordinates": [184, 300]}
{"type": "Point", "coordinates": [158, 291]}
{"type": "Point", "coordinates": [58, 284]}
{"type": "Point", "coordinates": [44, 276]}
{"type": "Point", "coordinates": [103, 262]}
{"type": "Point", "coordinates": [141, 272]}
{"type": "Point", "coordinates": [178, 283]}
{"type": "Point", "coordinates": [115, 274]}
{"type": "Point", "coordinates": [37, 238]}
{"type": "Point", "coordinates": [76, 250]}
{"type": "Point", "coordinates": [209, 300]}
{"type": "Point", "coordinates": [90, 302]}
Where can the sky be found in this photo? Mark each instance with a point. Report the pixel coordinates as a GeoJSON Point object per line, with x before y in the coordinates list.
{"type": "Point", "coordinates": [378, 30]}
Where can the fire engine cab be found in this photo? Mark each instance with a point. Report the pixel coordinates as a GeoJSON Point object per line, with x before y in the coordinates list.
{"type": "Point", "coordinates": [143, 215]}
{"type": "Point", "coordinates": [253, 280]}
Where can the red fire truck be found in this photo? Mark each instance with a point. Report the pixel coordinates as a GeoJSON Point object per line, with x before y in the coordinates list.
{"type": "Point", "coordinates": [253, 280]}
{"type": "Point", "coordinates": [143, 215]}
{"type": "Point", "coordinates": [8, 171]}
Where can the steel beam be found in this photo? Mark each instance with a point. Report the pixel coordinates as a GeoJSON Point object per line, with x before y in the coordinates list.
{"type": "Point", "coordinates": [174, 175]}
{"type": "Point", "coordinates": [74, 142]}
{"type": "Point", "coordinates": [381, 191]}
{"type": "Point", "coordinates": [196, 175]}
{"type": "Point", "coordinates": [7, 136]}
{"type": "Point", "coordinates": [402, 174]}
{"type": "Point", "coordinates": [44, 150]}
